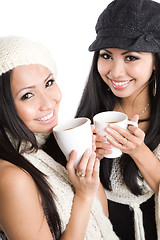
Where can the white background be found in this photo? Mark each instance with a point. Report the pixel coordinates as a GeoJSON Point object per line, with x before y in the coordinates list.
{"type": "Point", "coordinates": [66, 28]}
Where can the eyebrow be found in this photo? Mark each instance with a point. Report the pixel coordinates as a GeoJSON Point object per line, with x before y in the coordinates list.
{"type": "Point", "coordinates": [30, 87]}
{"type": "Point", "coordinates": [121, 53]}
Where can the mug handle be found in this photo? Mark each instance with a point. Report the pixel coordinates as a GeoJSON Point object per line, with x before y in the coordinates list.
{"type": "Point", "coordinates": [132, 123]}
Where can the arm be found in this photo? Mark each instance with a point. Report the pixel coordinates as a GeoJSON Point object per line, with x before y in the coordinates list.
{"type": "Point", "coordinates": [86, 189]}
{"type": "Point", "coordinates": [21, 212]}
{"type": "Point", "coordinates": [149, 166]}
{"type": "Point", "coordinates": [146, 161]}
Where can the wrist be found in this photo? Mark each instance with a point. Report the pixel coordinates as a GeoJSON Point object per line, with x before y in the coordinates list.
{"type": "Point", "coordinates": [139, 151]}
{"type": "Point", "coordinates": [83, 199]}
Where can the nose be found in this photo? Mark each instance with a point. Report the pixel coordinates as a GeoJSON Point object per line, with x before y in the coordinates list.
{"type": "Point", "coordinates": [46, 102]}
{"type": "Point", "coordinates": [117, 69]}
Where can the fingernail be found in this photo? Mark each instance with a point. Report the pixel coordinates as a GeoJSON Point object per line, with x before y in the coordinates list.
{"type": "Point", "coordinates": [88, 150]}
{"type": "Point", "coordinates": [108, 129]}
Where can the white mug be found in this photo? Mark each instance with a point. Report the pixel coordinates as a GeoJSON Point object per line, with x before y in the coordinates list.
{"type": "Point", "coordinates": [74, 134]}
{"type": "Point", "coordinates": [101, 121]}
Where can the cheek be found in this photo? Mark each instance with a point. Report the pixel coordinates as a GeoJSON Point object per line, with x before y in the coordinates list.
{"type": "Point", "coordinates": [26, 113]}
{"type": "Point", "coordinates": [57, 95]}
{"type": "Point", "coordinates": [143, 73]}
{"type": "Point", "coordinates": [101, 67]}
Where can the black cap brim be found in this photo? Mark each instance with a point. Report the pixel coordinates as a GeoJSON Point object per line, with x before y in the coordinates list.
{"type": "Point", "coordinates": [140, 44]}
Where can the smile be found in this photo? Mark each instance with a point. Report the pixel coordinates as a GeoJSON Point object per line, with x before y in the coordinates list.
{"type": "Point", "coordinates": [45, 118]}
{"type": "Point", "coordinates": [120, 83]}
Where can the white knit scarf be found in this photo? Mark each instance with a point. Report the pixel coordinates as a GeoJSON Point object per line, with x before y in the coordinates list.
{"type": "Point", "coordinates": [99, 226]}
{"type": "Point", "coordinates": [121, 194]}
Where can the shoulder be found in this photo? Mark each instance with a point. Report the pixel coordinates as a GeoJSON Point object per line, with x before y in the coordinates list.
{"type": "Point", "coordinates": [21, 211]}
{"type": "Point", "coordinates": [14, 181]}
{"type": "Point", "coordinates": [12, 174]}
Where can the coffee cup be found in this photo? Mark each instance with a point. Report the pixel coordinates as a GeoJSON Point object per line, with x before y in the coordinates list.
{"type": "Point", "coordinates": [74, 134]}
{"type": "Point", "coordinates": [101, 121]}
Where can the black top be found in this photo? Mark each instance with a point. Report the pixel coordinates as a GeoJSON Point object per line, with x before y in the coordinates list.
{"type": "Point", "coordinates": [122, 219]}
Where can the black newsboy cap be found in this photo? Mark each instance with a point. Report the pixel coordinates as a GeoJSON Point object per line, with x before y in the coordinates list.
{"type": "Point", "coordinates": [129, 24]}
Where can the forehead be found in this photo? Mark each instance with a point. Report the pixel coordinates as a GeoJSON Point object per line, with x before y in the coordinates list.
{"type": "Point", "coordinates": [117, 50]}
{"type": "Point", "coordinates": [29, 73]}
{"type": "Point", "coordinates": [28, 76]}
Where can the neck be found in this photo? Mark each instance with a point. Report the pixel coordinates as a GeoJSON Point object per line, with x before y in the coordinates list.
{"type": "Point", "coordinates": [139, 105]}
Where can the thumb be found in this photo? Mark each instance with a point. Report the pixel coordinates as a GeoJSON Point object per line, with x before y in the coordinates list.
{"type": "Point", "coordinates": [135, 118]}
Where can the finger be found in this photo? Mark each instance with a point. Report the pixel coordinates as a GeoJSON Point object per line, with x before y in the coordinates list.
{"type": "Point", "coordinates": [135, 118]}
{"type": "Point", "coordinates": [119, 133]}
{"type": "Point", "coordinates": [96, 168]}
{"type": "Point", "coordinates": [84, 161]}
{"type": "Point", "coordinates": [99, 156]}
{"type": "Point", "coordinates": [93, 142]}
{"type": "Point", "coordinates": [103, 145]}
{"type": "Point", "coordinates": [90, 165]}
{"type": "Point", "coordinates": [119, 144]}
{"type": "Point", "coordinates": [70, 163]}
{"type": "Point", "coordinates": [93, 128]}
{"type": "Point", "coordinates": [100, 138]}
{"type": "Point", "coordinates": [102, 152]}
{"type": "Point", "coordinates": [72, 158]}
{"type": "Point", "coordinates": [136, 131]}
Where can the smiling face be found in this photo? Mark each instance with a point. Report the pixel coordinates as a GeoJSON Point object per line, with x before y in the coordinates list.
{"type": "Point", "coordinates": [126, 73]}
{"type": "Point", "coordinates": [36, 96]}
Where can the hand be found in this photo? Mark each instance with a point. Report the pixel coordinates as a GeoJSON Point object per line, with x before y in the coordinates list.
{"type": "Point", "coordinates": [102, 146]}
{"type": "Point", "coordinates": [128, 141]}
{"type": "Point", "coordinates": [93, 138]}
{"type": "Point", "coordinates": [86, 186]}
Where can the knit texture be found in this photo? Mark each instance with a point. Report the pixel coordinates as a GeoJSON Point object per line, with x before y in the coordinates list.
{"type": "Point", "coordinates": [121, 194]}
{"type": "Point", "coordinates": [99, 226]}
{"type": "Point", "coordinates": [17, 51]}
{"type": "Point", "coordinates": [129, 24]}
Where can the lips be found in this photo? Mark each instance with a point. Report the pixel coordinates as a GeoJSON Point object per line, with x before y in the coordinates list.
{"type": "Point", "coordinates": [119, 85]}
{"type": "Point", "coordinates": [45, 118]}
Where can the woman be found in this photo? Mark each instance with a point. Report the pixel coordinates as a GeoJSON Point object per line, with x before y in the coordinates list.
{"type": "Point", "coordinates": [39, 199]}
{"type": "Point", "coordinates": [125, 77]}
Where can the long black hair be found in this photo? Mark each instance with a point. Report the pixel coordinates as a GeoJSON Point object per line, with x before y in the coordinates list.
{"type": "Point", "coordinates": [97, 98]}
{"type": "Point", "coordinates": [10, 121]}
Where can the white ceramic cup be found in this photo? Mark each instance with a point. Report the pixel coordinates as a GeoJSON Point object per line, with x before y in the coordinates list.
{"type": "Point", "coordinates": [74, 134]}
{"type": "Point", "coordinates": [101, 121]}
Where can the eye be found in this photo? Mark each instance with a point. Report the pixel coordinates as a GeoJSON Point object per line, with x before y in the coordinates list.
{"type": "Point", "coordinates": [105, 56]}
{"type": "Point", "coordinates": [27, 96]}
{"type": "Point", "coordinates": [49, 83]}
{"type": "Point", "coordinates": [131, 58]}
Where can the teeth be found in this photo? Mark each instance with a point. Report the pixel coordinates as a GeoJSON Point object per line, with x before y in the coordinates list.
{"type": "Point", "coordinates": [120, 83]}
{"type": "Point", "coordinates": [46, 117]}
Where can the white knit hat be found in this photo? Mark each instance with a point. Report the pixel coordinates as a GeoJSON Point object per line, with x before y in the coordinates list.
{"type": "Point", "coordinates": [17, 51]}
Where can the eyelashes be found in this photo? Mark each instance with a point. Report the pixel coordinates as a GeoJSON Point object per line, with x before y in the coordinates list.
{"type": "Point", "coordinates": [129, 58]}
{"type": "Point", "coordinates": [29, 95]}
{"type": "Point", "coordinates": [49, 83]}
{"type": "Point", "coordinates": [105, 56]}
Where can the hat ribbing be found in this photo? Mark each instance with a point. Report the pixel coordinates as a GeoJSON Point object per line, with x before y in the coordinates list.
{"type": "Point", "coordinates": [17, 51]}
{"type": "Point", "coordinates": [129, 24]}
